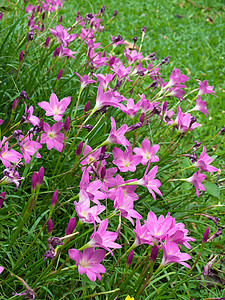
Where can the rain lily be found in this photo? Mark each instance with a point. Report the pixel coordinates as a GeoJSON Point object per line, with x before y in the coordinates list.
{"type": "Point", "coordinates": [196, 180]}
{"type": "Point", "coordinates": [62, 35]}
{"type": "Point", "coordinates": [52, 136]}
{"type": "Point", "coordinates": [147, 152]}
{"type": "Point", "coordinates": [204, 162]}
{"type": "Point", "coordinates": [126, 161]}
{"type": "Point", "coordinates": [8, 155]}
{"type": "Point", "coordinates": [204, 88]}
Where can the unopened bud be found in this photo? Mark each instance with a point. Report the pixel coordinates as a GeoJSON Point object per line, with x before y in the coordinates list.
{"type": "Point", "coordinates": [71, 226]}
{"type": "Point", "coordinates": [67, 125]}
{"type": "Point", "coordinates": [2, 198]}
{"type": "Point", "coordinates": [21, 57]}
{"type": "Point", "coordinates": [130, 258]}
{"type": "Point", "coordinates": [43, 16]}
{"type": "Point", "coordinates": [61, 19]}
{"type": "Point", "coordinates": [54, 198]}
{"type": "Point", "coordinates": [34, 181]}
{"type": "Point", "coordinates": [154, 253]}
{"type": "Point", "coordinates": [86, 108]}
{"type": "Point", "coordinates": [135, 39]}
{"type": "Point", "coordinates": [103, 173]}
{"type": "Point", "coordinates": [50, 226]}
{"type": "Point", "coordinates": [47, 41]}
{"type": "Point", "coordinates": [79, 148]}
{"type": "Point", "coordinates": [40, 176]}
{"type": "Point", "coordinates": [59, 74]}
{"type": "Point", "coordinates": [205, 236]}
{"type": "Point", "coordinates": [115, 13]}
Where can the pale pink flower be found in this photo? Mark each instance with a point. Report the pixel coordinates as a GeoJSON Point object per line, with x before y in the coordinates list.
{"type": "Point", "coordinates": [147, 152]}
{"type": "Point", "coordinates": [84, 80]}
{"type": "Point", "coordinates": [204, 88]}
{"type": "Point", "coordinates": [117, 136]}
{"type": "Point", "coordinates": [8, 155]}
{"type": "Point", "coordinates": [104, 239]}
{"type": "Point", "coordinates": [125, 206]}
{"type": "Point", "coordinates": [92, 157]}
{"type": "Point", "coordinates": [126, 161]}
{"type": "Point", "coordinates": [171, 254]}
{"type": "Point", "coordinates": [52, 136]}
{"type": "Point", "coordinates": [1, 269]}
{"type": "Point", "coordinates": [204, 162]}
{"type": "Point", "coordinates": [55, 108]}
{"type": "Point", "coordinates": [196, 180]}
{"type": "Point", "coordinates": [89, 262]}
{"type": "Point", "coordinates": [179, 235]}
{"type": "Point", "coordinates": [29, 147]}
{"type": "Point", "coordinates": [131, 109]}
{"type": "Point", "coordinates": [141, 234]}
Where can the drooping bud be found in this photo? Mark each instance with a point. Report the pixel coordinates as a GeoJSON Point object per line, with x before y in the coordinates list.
{"type": "Point", "coordinates": [88, 127]}
{"type": "Point", "coordinates": [21, 57]}
{"type": "Point", "coordinates": [102, 9]}
{"type": "Point", "coordinates": [135, 39]}
{"type": "Point", "coordinates": [154, 253]}
{"type": "Point", "coordinates": [34, 181]}
{"type": "Point", "coordinates": [47, 41]}
{"type": "Point", "coordinates": [71, 226]}
{"type": "Point", "coordinates": [216, 234]}
{"type": "Point", "coordinates": [67, 125]}
{"type": "Point", "coordinates": [79, 148]}
{"type": "Point", "coordinates": [115, 13]}
{"type": "Point", "coordinates": [205, 236]}
{"type": "Point", "coordinates": [2, 198]}
{"type": "Point", "coordinates": [40, 176]}
{"type": "Point", "coordinates": [130, 258]}
{"type": "Point", "coordinates": [86, 108]}
{"type": "Point", "coordinates": [59, 74]}
{"type": "Point", "coordinates": [165, 61]}
{"type": "Point", "coordinates": [54, 198]}
{"type": "Point", "coordinates": [50, 226]}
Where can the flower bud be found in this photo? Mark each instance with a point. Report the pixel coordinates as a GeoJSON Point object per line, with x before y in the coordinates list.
{"type": "Point", "coordinates": [54, 198]}
{"type": "Point", "coordinates": [59, 74]}
{"type": "Point", "coordinates": [71, 226]}
{"type": "Point", "coordinates": [40, 176]}
{"type": "Point", "coordinates": [154, 253]}
{"type": "Point", "coordinates": [50, 226]}
{"type": "Point", "coordinates": [86, 108]}
{"type": "Point", "coordinates": [205, 236]}
{"type": "Point", "coordinates": [67, 125]}
{"type": "Point", "coordinates": [79, 148]}
{"type": "Point", "coordinates": [103, 173]}
{"type": "Point", "coordinates": [34, 181]}
{"type": "Point", "coordinates": [61, 19]}
{"type": "Point", "coordinates": [21, 57]}
{"type": "Point", "coordinates": [130, 258]}
{"type": "Point", "coordinates": [47, 41]}
{"type": "Point", "coordinates": [2, 198]}
{"type": "Point", "coordinates": [43, 16]}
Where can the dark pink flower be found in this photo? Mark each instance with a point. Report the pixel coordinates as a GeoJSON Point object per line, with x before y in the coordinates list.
{"type": "Point", "coordinates": [89, 262]}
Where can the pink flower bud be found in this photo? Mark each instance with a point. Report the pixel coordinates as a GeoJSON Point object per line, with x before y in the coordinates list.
{"type": "Point", "coordinates": [61, 19]}
{"type": "Point", "coordinates": [154, 253]}
{"type": "Point", "coordinates": [40, 176]}
{"type": "Point", "coordinates": [54, 198]}
{"type": "Point", "coordinates": [47, 41]}
{"type": "Point", "coordinates": [130, 258]}
{"type": "Point", "coordinates": [205, 236]}
{"type": "Point", "coordinates": [86, 108]}
{"type": "Point", "coordinates": [43, 16]}
{"type": "Point", "coordinates": [67, 125]}
{"type": "Point", "coordinates": [79, 149]}
{"type": "Point", "coordinates": [2, 198]}
{"type": "Point", "coordinates": [34, 181]}
{"type": "Point", "coordinates": [103, 173]}
{"type": "Point", "coordinates": [50, 226]}
{"type": "Point", "coordinates": [21, 57]}
{"type": "Point", "coordinates": [71, 226]}
{"type": "Point", "coordinates": [59, 74]}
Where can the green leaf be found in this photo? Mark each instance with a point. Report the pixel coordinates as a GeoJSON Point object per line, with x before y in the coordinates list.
{"type": "Point", "coordinates": [212, 189]}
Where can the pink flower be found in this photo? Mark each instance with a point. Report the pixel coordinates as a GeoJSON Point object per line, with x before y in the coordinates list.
{"type": "Point", "coordinates": [185, 121]}
{"type": "Point", "coordinates": [52, 136]}
{"type": "Point", "coordinates": [104, 239]}
{"type": "Point", "coordinates": [105, 99]}
{"type": "Point", "coordinates": [125, 206]}
{"type": "Point", "coordinates": [29, 117]}
{"type": "Point", "coordinates": [204, 88]}
{"type": "Point", "coordinates": [105, 80]}
{"type": "Point", "coordinates": [117, 136]}
{"type": "Point", "coordinates": [176, 78]}
{"type": "Point", "coordinates": [151, 183]}
{"type": "Point", "coordinates": [204, 162]}
{"type": "Point", "coordinates": [126, 161]}
{"type": "Point", "coordinates": [62, 35]}
{"type": "Point", "coordinates": [132, 56]}
{"type": "Point", "coordinates": [142, 234]}
{"type": "Point", "coordinates": [131, 109]}
{"type": "Point", "coordinates": [86, 213]}
{"type": "Point", "coordinates": [166, 114]}
{"type": "Point", "coordinates": [121, 71]}
{"type": "Point", "coordinates": [200, 106]}
{"type": "Point", "coordinates": [128, 190]}
{"type": "Point", "coordinates": [84, 80]}
{"type": "Point", "coordinates": [1, 269]}
{"type": "Point", "coordinates": [89, 262]}
{"type": "Point", "coordinates": [171, 254]}
{"type": "Point", "coordinates": [29, 148]}
{"type": "Point", "coordinates": [55, 108]}
{"type": "Point", "coordinates": [147, 152]}
{"type": "Point", "coordinates": [146, 105]}
{"type": "Point", "coordinates": [63, 52]}
{"type": "Point", "coordinates": [7, 155]}
{"type": "Point", "coordinates": [196, 180]}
